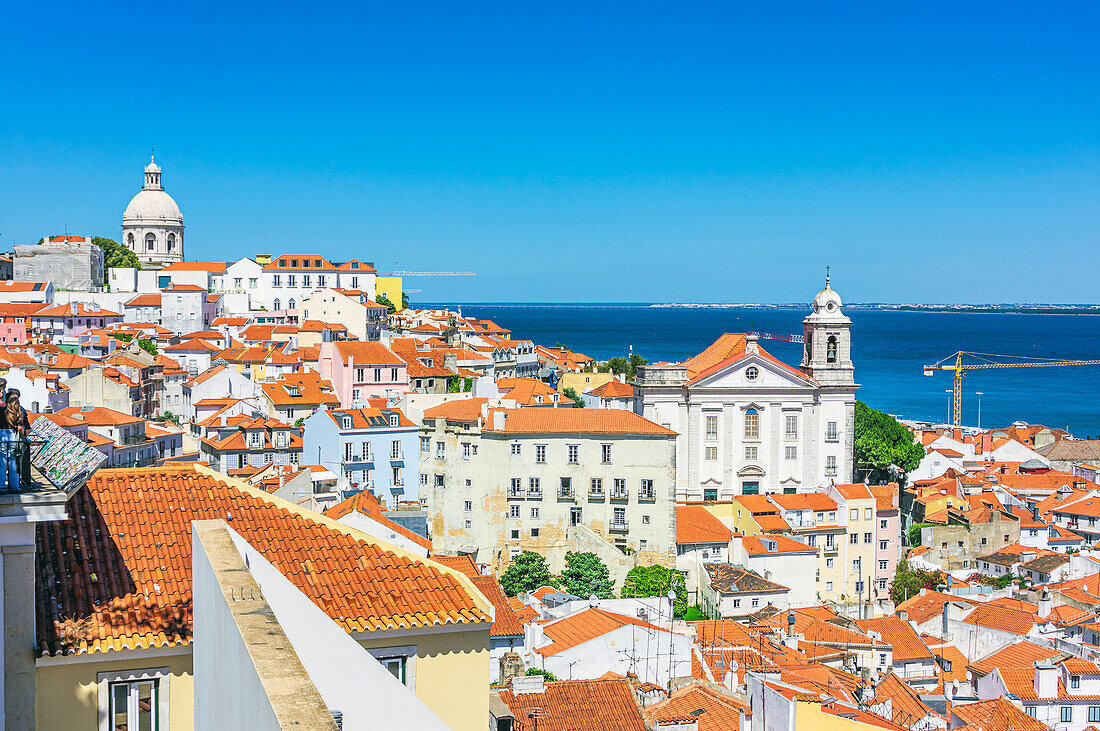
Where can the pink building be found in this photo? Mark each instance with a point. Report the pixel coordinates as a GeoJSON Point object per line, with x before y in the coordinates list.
{"type": "Point", "coordinates": [887, 538]}
{"type": "Point", "coordinates": [362, 370]}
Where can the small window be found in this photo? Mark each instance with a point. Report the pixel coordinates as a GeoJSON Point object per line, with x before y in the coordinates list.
{"type": "Point", "coordinates": [540, 453]}
{"type": "Point", "coordinates": [605, 453]}
{"type": "Point", "coordinates": [534, 513]}
{"type": "Point", "coordinates": [712, 427]}
{"type": "Point", "coordinates": [710, 454]}
{"type": "Point", "coordinates": [515, 448]}
{"type": "Point", "coordinates": [534, 532]}
{"type": "Point", "coordinates": [792, 426]}
{"type": "Point", "coordinates": [573, 452]}
{"type": "Point", "coordinates": [1030, 710]}
{"type": "Point", "coordinates": [752, 373]}
{"type": "Point", "coordinates": [751, 454]}
{"type": "Point", "coordinates": [1067, 714]}
{"type": "Point", "coordinates": [830, 431]}
{"type": "Point", "coordinates": [1094, 714]}
{"type": "Point", "coordinates": [1075, 681]}
{"type": "Point", "coordinates": [513, 510]}
{"type": "Point", "coordinates": [868, 513]}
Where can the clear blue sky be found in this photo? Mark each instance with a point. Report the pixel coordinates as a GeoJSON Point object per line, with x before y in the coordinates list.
{"type": "Point", "coordinates": [581, 151]}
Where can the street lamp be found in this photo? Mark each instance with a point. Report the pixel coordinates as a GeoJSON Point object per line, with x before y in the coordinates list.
{"type": "Point", "coordinates": [950, 403]}
{"type": "Point", "coordinates": [979, 395]}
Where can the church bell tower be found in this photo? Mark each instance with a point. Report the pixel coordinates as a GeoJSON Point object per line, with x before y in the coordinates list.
{"type": "Point", "coordinates": [828, 354]}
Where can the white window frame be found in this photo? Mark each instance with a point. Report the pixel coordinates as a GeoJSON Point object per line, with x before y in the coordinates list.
{"type": "Point", "coordinates": [103, 693]}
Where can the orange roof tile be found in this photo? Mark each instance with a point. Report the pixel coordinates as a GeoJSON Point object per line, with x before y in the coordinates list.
{"type": "Point", "coordinates": [215, 267]}
{"type": "Point", "coordinates": [506, 622]}
{"type": "Point", "coordinates": [367, 352]}
{"type": "Point", "coordinates": [900, 635]}
{"type": "Point", "coordinates": [1000, 617]}
{"type": "Point", "coordinates": [923, 606]}
{"type": "Point", "coordinates": [578, 705]}
{"type": "Point", "coordinates": [721, 712]}
{"type": "Point", "coordinates": [133, 587]}
{"type": "Point", "coordinates": [857, 491]}
{"type": "Point", "coordinates": [367, 504]}
{"type": "Point", "coordinates": [805, 501]}
{"type": "Point", "coordinates": [464, 564]}
{"type": "Point", "coordinates": [576, 629]}
{"type": "Point", "coordinates": [696, 524]}
{"type": "Point", "coordinates": [997, 714]}
{"type": "Point", "coordinates": [754, 545]}
{"type": "Point", "coordinates": [466, 410]}
{"type": "Point", "coordinates": [613, 389]}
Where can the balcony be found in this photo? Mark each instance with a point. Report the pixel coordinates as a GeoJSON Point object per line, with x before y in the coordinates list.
{"type": "Point", "coordinates": [620, 494]}
{"type": "Point", "coordinates": [358, 459]}
{"type": "Point", "coordinates": [515, 492]}
{"type": "Point", "coordinates": [595, 494]}
{"type": "Point", "coordinates": [398, 456]}
{"type": "Point", "coordinates": [830, 549]}
{"type": "Point", "coordinates": [618, 526]}
{"type": "Point", "coordinates": [565, 493]}
{"type": "Point", "coordinates": [649, 494]}
{"type": "Point", "coordinates": [534, 492]}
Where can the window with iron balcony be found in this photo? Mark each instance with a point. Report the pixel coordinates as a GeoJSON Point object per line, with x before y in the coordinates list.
{"type": "Point", "coordinates": [516, 489]}
{"type": "Point", "coordinates": [646, 491]}
{"type": "Point", "coordinates": [618, 489]}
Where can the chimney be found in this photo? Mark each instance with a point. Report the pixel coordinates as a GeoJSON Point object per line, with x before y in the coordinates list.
{"type": "Point", "coordinates": [945, 633]}
{"type": "Point", "coordinates": [528, 684]}
{"type": "Point", "coordinates": [791, 641]}
{"type": "Point", "coordinates": [751, 343]}
{"type": "Point", "coordinates": [499, 417]}
{"type": "Point", "coordinates": [450, 362]}
{"type": "Point", "coordinates": [1046, 680]}
{"type": "Point", "coordinates": [1026, 556]}
{"type": "Point", "coordinates": [903, 616]}
{"type": "Point", "coordinates": [1045, 604]}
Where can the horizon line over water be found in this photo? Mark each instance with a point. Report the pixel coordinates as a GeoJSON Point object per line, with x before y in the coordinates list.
{"type": "Point", "coordinates": [889, 348]}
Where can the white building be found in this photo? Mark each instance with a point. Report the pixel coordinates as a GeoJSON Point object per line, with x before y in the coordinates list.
{"type": "Point", "coordinates": [501, 481]}
{"type": "Point", "coordinates": [152, 225]}
{"type": "Point", "coordinates": [749, 423]}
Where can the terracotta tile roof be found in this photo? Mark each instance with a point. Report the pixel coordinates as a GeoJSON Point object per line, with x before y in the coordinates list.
{"type": "Point", "coordinates": [578, 705]}
{"type": "Point", "coordinates": [997, 714]}
{"type": "Point", "coordinates": [193, 345]}
{"type": "Point", "coordinates": [906, 706]}
{"type": "Point", "coordinates": [576, 421]}
{"type": "Point", "coordinates": [728, 579]}
{"type": "Point", "coordinates": [506, 621]}
{"type": "Point", "coordinates": [467, 410]}
{"type": "Point", "coordinates": [725, 346]}
{"type": "Point", "coordinates": [215, 267]}
{"type": "Point", "coordinates": [754, 545]}
{"type": "Point", "coordinates": [144, 300]}
{"type": "Point", "coordinates": [805, 501]}
{"type": "Point", "coordinates": [818, 628]}
{"type": "Point", "coordinates": [721, 712]}
{"type": "Point", "coordinates": [1002, 618]}
{"type": "Point", "coordinates": [120, 566]}
{"type": "Point", "coordinates": [857, 491]}
{"type": "Point", "coordinates": [576, 629]}
{"type": "Point", "coordinates": [367, 504]}
{"type": "Point", "coordinates": [1077, 666]}
{"type": "Point", "coordinates": [1089, 506]}
{"type": "Point", "coordinates": [900, 635]}
{"type": "Point", "coordinates": [1069, 616]}
{"type": "Point", "coordinates": [98, 416]}
{"type": "Point", "coordinates": [369, 353]}
{"type": "Point", "coordinates": [1046, 564]}
{"type": "Point", "coordinates": [771, 523]}
{"type": "Point", "coordinates": [183, 288]}
{"type": "Point", "coordinates": [526, 391]}
{"type": "Point", "coordinates": [922, 607]}
{"type": "Point", "coordinates": [696, 524]}
{"type": "Point", "coordinates": [311, 388]}
{"type": "Point", "coordinates": [369, 418]}
{"type": "Point", "coordinates": [465, 564]}
{"type": "Point", "coordinates": [82, 310]}
{"type": "Point", "coordinates": [304, 262]}
{"type": "Point", "coordinates": [613, 389]}
{"type": "Point", "coordinates": [1021, 682]}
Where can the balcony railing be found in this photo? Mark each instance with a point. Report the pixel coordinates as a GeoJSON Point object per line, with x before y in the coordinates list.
{"type": "Point", "coordinates": [534, 492]}
{"type": "Point", "coordinates": [649, 494]}
{"type": "Point", "coordinates": [565, 493]}
{"type": "Point", "coordinates": [398, 456]}
{"type": "Point", "coordinates": [620, 494]}
{"type": "Point", "coordinates": [595, 494]}
{"type": "Point", "coordinates": [515, 492]}
{"type": "Point", "coordinates": [619, 526]}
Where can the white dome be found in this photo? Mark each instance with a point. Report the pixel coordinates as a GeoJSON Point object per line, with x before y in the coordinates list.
{"type": "Point", "coordinates": [152, 167]}
{"type": "Point", "coordinates": [827, 301]}
{"type": "Point", "coordinates": [153, 206]}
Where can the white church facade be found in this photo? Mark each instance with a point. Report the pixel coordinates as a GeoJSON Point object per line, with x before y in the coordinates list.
{"type": "Point", "coordinates": [750, 424]}
{"type": "Point", "coordinates": [152, 225]}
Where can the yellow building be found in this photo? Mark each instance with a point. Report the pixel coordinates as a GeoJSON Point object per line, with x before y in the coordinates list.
{"type": "Point", "coordinates": [392, 288]}
{"type": "Point", "coordinates": [118, 620]}
{"type": "Point", "coordinates": [734, 515]}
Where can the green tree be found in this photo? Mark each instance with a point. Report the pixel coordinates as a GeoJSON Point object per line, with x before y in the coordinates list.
{"type": "Point", "coordinates": [883, 446]}
{"type": "Point", "coordinates": [585, 574]}
{"type": "Point", "coordinates": [914, 532]}
{"type": "Point", "coordinates": [635, 361]}
{"type": "Point", "coordinates": [384, 300]}
{"type": "Point", "coordinates": [908, 581]}
{"type": "Point", "coordinates": [548, 676]}
{"type": "Point", "coordinates": [618, 365]}
{"type": "Point", "coordinates": [148, 346]}
{"type": "Point", "coordinates": [170, 417]}
{"type": "Point", "coordinates": [571, 393]}
{"type": "Point", "coordinates": [115, 255]}
{"type": "Point", "coordinates": [468, 385]}
{"type": "Point", "coordinates": [656, 580]}
{"type": "Point", "coordinates": [404, 300]}
{"type": "Point", "coordinates": [528, 572]}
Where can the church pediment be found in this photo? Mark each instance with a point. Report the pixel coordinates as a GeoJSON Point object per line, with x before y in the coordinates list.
{"type": "Point", "coordinates": [752, 371]}
{"type": "Point", "coordinates": [750, 471]}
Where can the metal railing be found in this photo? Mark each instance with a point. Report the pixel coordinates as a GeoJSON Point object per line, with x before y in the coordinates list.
{"type": "Point", "coordinates": [619, 526]}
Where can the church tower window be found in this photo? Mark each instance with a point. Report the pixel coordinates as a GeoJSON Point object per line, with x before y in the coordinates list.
{"type": "Point", "coordinates": [830, 355]}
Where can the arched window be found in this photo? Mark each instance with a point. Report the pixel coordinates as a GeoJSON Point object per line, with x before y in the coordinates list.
{"type": "Point", "coordinates": [830, 353]}
{"type": "Point", "coordinates": [171, 241]}
{"type": "Point", "coordinates": [290, 304]}
{"type": "Point", "coordinates": [275, 305]}
{"type": "Point", "coordinates": [130, 240]}
{"type": "Point", "coordinates": [150, 241]}
{"type": "Point", "coordinates": [752, 424]}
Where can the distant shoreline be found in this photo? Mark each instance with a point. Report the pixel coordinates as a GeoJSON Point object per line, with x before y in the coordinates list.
{"type": "Point", "coordinates": [1002, 309]}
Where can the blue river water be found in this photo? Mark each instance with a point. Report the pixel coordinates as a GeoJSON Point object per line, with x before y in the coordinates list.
{"type": "Point", "coordinates": [888, 348]}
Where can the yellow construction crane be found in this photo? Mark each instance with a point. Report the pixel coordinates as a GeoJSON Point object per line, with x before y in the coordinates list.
{"type": "Point", "coordinates": [985, 362]}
